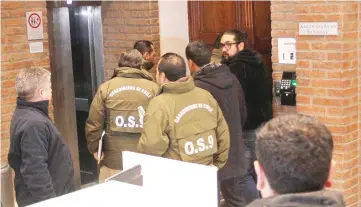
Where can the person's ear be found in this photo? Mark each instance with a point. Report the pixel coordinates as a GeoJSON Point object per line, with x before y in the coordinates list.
{"type": "Point", "coordinates": [163, 78]}
{"type": "Point", "coordinates": [260, 175]}
{"type": "Point", "coordinates": [240, 46]}
{"type": "Point", "coordinates": [328, 183]}
{"type": "Point", "coordinates": [191, 65]}
{"type": "Point", "coordinates": [146, 56]}
{"type": "Point", "coordinates": [41, 91]}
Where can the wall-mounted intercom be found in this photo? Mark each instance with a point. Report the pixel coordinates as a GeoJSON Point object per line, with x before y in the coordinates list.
{"type": "Point", "coordinates": [288, 88]}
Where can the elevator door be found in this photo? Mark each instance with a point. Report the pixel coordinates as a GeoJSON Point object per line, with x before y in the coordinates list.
{"type": "Point", "coordinates": [87, 56]}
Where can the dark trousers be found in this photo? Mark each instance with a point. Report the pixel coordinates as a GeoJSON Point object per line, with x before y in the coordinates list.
{"type": "Point", "coordinates": [241, 190]}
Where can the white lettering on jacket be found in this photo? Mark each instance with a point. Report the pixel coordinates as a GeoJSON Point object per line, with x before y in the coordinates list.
{"type": "Point", "coordinates": [190, 108]}
{"type": "Point", "coordinates": [130, 88]}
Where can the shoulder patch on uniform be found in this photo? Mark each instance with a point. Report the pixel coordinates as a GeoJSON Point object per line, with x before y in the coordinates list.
{"type": "Point", "coordinates": [190, 108]}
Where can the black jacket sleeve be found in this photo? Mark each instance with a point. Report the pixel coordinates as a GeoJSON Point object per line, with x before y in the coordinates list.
{"type": "Point", "coordinates": [34, 168]}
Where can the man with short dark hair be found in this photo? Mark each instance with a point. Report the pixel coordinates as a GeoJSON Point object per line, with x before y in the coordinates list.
{"type": "Point", "coordinates": [184, 122]}
{"type": "Point", "coordinates": [146, 48]}
{"type": "Point", "coordinates": [294, 163]}
{"type": "Point", "coordinates": [223, 85]}
{"type": "Point", "coordinates": [115, 110]}
{"type": "Point", "coordinates": [38, 154]}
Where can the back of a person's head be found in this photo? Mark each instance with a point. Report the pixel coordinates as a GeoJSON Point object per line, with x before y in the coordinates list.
{"type": "Point", "coordinates": [199, 53]}
{"type": "Point", "coordinates": [173, 66]}
{"type": "Point", "coordinates": [29, 80]}
{"type": "Point", "coordinates": [130, 58]}
{"type": "Point", "coordinates": [217, 41]}
{"type": "Point", "coordinates": [295, 153]}
{"type": "Point", "coordinates": [239, 36]}
{"type": "Point", "coordinates": [143, 46]}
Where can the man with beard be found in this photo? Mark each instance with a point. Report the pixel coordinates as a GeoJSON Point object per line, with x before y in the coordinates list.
{"type": "Point", "coordinates": [217, 79]}
{"type": "Point", "coordinates": [247, 65]}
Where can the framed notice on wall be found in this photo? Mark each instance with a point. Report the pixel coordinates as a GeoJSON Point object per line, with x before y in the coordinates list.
{"type": "Point", "coordinates": [34, 25]}
{"type": "Point", "coordinates": [287, 50]}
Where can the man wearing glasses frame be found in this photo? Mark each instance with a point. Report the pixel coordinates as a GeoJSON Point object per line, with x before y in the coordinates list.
{"type": "Point", "coordinates": [247, 65]}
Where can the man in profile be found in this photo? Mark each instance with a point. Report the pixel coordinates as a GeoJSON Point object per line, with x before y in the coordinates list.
{"type": "Point", "coordinates": [294, 163]}
{"type": "Point", "coordinates": [146, 48]}
{"type": "Point", "coordinates": [38, 154]}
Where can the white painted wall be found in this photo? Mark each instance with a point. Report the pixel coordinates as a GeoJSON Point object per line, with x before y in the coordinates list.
{"type": "Point", "coordinates": [173, 26]}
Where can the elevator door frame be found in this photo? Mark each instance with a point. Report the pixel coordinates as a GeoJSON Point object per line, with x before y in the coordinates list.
{"type": "Point", "coordinates": [62, 73]}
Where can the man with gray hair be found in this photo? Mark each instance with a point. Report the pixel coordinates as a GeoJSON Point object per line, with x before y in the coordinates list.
{"type": "Point", "coordinates": [115, 110]}
{"type": "Point", "coordinates": [38, 154]}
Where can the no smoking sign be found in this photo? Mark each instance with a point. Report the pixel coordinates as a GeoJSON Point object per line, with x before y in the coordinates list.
{"type": "Point", "coordinates": [34, 25]}
{"type": "Point", "coordinates": [34, 20]}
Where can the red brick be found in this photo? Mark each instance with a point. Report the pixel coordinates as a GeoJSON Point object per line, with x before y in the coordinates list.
{"type": "Point", "coordinates": [277, 16]}
{"type": "Point", "coordinates": [327, 46]}
{"type": "Point", "coordinates": [303, 82]}
{"type": "Point", "coordinates": [303, 64]}
{"type": "Point", "coordinates": [310, 18]}
{"type": "Point", "coordinates": [303, 99]}
{"type": "Point", "coordinates": [282, 8]}
{"type": "Point", "coordinates": [326, 83]}
{"type": "Point", "coordinates": [322, 64]}
{"type": "Point", "coordinates": [302, 9]}
{"type": "Point", "coordinates": [326, 8]}
{"type": "Point", "coordinates": [311, 109]}
{"type": "Point", "coordinates": [327, 101]}
{"type": "Point", "coordinates": [334, 56]}
{"type": "Point", "coordinates": [303, 46]}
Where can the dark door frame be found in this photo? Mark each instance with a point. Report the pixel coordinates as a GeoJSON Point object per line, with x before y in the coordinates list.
{"type": "Point", "coordinates": [62, 75]}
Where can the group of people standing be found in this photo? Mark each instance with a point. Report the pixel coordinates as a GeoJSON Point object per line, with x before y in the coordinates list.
{"type": "Point", "coordinates": [207, 118]}
{"type": "Point", "coordinates": [210, 117]}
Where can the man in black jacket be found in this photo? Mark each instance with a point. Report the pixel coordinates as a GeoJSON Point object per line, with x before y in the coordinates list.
{"type": "Point", "coordinates": [40, 158]}
{"type": "Point", "coordinates": [256, 80]}
{"type": "Point", "coordinates": [217, 79]}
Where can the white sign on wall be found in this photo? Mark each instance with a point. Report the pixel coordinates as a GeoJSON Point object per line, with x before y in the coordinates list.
{"type": "Point", "coordinates": [36, 47]}
{"type": "Point", "coordinates": [287, 50]}
{"type": "Point", "coordinates": [34, 25]}
{"type": "Point", "coordinates": [318, 28]}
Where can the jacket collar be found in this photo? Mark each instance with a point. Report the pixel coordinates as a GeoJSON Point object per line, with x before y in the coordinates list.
{"type": "Point", "coordinates": [182, 85]}
{"type": "Point", "coordinates": [316, 199]}
{"type": "Point", "coordinates": [41, 106]}
{"type": "Point", "coordinates": [127, 72]}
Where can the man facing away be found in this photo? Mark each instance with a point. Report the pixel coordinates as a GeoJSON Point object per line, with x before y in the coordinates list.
{"type": "Point", "coordinates": [38, 154]}
{"type": "Point", "coordinates": [294, 163]}
{"type": "Point", "coordinates": [115, 110]}
{"type": "Point", "coordinates": [184, 122]}
{"type": "Point", "coordinates": [223, 85]}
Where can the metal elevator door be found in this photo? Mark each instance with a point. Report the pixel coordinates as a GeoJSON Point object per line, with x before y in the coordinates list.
{"type": "Point", "coordinates": [87, 57]}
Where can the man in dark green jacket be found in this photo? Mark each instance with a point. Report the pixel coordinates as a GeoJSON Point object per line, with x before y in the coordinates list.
{"type": "Point", "coordinates": [115, 110]}
{"type": "Point", "coordinates": [184, 122]}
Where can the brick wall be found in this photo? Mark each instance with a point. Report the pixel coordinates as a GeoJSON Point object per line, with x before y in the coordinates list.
{"type": "Point", "coordinates": [15, 56]}
{"type": "Point", "coordinates": [359, 92]}
{"type": "Point", "coordinates": [327, 79]}
{"type": "Point", "coordinates": [283, 25]}
{"type": "Point", "coordinates": [123, 24]}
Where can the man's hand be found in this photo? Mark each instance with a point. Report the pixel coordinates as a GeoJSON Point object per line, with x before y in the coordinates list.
{"type": "Point", "coordinates": [95, 154]}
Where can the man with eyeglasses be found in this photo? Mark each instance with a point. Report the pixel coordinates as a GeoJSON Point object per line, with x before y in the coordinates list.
{"type": "Point", "coordinates": [247, 65]}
